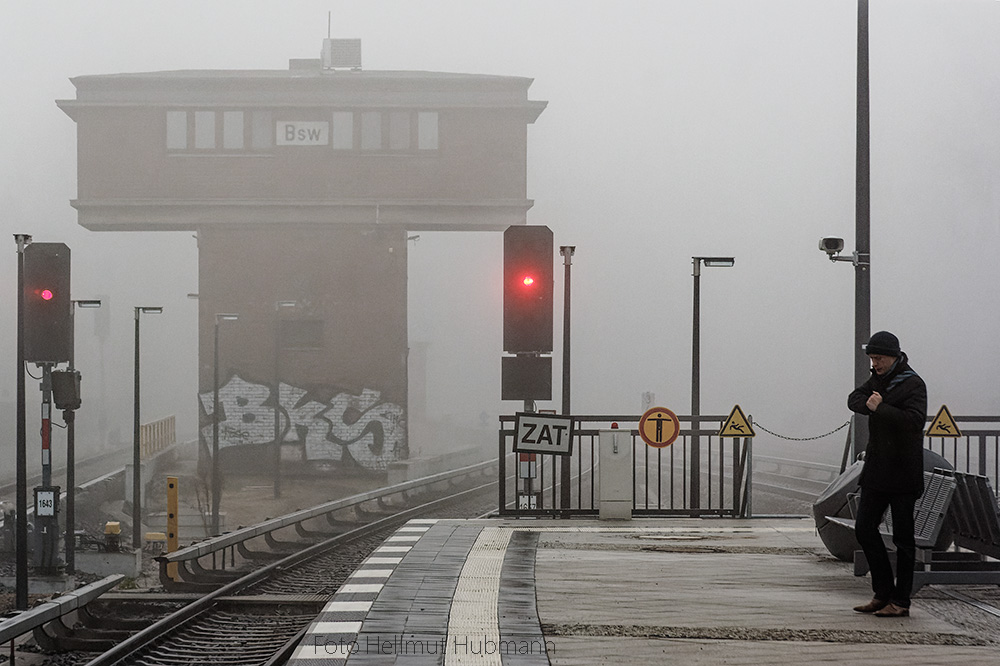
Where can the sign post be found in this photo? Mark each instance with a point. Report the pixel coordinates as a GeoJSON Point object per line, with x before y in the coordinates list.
{"type": "Point", "coordinates": [737, 426]}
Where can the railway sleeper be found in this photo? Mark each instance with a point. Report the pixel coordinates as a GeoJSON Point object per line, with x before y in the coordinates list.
{"type": "Point", "coordinates": [306, 606]}
{"type": "Point", "coordinates": [282, 655]}
{"type": "Point", "coordinates": [196, 653]}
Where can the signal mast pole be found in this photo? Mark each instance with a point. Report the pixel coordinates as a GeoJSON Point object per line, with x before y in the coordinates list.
{"type": "Point", "coordinates": [21, 528]}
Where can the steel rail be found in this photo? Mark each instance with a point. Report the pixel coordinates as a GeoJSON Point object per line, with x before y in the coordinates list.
{"type": "Point", "coordinates": [986, 608]}
{"type": "Point", "coordinates": [160, 629]}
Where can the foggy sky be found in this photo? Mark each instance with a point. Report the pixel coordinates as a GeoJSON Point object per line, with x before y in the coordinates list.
{"type": "Point", "coordinates": [673, 129]}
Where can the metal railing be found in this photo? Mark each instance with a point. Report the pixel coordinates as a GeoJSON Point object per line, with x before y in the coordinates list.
{"type": "Point", "coordinates": [977, 451]}
{"type": "Point", "coordinates": [661, 479]}
{"type": "Point", "coordinates": [156, 436]}
{"type": "Point", "coordinates": [54, 609]}
{"type": "Point", "coordinates": [192, 574]}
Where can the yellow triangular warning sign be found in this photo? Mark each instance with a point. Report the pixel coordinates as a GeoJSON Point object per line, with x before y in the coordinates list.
{"type": "Point", "coordinates": [737, 425]}
{"type": "Point", "coordinates": [944, 425]}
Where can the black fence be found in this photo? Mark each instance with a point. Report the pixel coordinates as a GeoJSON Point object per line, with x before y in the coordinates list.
{"type": "Point", "coordinates": [694, 476]}
{"type": "Point", "coordinates": [977, 451]}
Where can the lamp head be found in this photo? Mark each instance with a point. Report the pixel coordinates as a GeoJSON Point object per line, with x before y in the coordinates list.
{"type": "Point", "coordinates": [723, 262]}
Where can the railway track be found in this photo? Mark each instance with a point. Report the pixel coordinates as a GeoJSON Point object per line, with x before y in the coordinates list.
{"type": "Point", "coordinates": [256, 614]}
{"type": "Point", "coordinates": [256, 611]}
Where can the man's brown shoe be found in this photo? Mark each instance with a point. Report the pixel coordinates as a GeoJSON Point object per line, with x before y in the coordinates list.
{"type": "Point", "coordinates": [872, 606]}
{"type": "Point", "coordinates": [892, 610]}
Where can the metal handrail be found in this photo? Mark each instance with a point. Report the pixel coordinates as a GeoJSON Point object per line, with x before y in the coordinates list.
{"type": "Point", "coordinates": [221, 542]}
{"type": "Point", "coordinates": [27, 620]}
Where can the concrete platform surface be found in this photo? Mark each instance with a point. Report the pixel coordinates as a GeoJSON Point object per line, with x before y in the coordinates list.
{"type": "Point", "coordinates": [646, 591]}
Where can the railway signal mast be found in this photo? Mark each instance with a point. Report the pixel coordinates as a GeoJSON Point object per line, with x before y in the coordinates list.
{"type": "Point", "coordinates": [48, 341]}
{"type": "Point", "coordinates": [526, 373]}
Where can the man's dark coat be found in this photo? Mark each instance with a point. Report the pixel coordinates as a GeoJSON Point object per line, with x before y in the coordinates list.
{"type": "Point", "coordinates": [894, 459]}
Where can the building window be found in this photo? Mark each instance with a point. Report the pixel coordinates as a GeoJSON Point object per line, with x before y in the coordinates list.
{"type": "Point", "coordinates": [427, 130]}
{"type": "Point", "coordinates": [177, 130]}
{"type": "Point", "coordinates": [232, 130]}
{"type": "Point", "coordinates": [244, 131]}
{"type": "Point", "coordinates": [343, 130]}
{"type": "Point", "coordinates": [219, 131]}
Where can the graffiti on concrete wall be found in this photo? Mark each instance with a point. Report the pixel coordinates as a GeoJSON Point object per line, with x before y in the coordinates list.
{"type": "Point", "coordinates": [360, 428]}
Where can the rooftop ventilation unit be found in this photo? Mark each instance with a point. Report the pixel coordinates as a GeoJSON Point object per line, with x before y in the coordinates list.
{"type": "Point", "coordinates": [341, 53]}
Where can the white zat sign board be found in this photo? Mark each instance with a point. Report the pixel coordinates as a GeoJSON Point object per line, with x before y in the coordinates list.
{"type": "Point", "coordinates": [543, 433]}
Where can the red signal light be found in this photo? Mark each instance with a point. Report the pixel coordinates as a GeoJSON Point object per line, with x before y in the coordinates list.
{"type": "Point", "coordinates": [527, 289]}
{"type": "Point", "coordinates": [46, 294]}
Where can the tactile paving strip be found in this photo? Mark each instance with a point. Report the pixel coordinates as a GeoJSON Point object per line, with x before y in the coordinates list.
{"type": "Point", "coordinates": [465, 593]}
{"type": "Point", "coordinates": [472, 625]}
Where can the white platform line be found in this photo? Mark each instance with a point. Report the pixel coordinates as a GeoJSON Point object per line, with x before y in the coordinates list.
{"type": "Point", "coordinates": [361, 588]}
{"type": "Point", "coordinates": [346, 606]}
{"type": "Point", "coordinates": [371, 573]}
{"type": "Point", "coordinates": [384, 560]}
{"type": "Point", "coordinates": [338, 627]}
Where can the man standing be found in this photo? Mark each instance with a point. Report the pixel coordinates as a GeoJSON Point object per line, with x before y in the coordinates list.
{"type": "Point", "coordinates": [895, 401]}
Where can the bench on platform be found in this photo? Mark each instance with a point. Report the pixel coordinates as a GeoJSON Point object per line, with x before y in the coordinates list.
{"type": "Point", "coordinates": [965, 506]}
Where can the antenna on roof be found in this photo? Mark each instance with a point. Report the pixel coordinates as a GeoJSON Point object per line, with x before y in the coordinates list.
{"type": "Point", "coordinates": [328, 35]}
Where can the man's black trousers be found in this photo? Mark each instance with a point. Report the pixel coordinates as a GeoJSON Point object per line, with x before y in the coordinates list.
{"type": "Point", "coordinates": [871, 508]}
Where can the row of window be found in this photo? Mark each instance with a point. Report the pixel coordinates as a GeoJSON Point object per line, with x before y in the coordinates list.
{"type": "Point", "coordinates": [261, 131]}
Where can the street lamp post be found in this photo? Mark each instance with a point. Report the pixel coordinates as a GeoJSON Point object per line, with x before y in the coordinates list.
{"type": "Point", "coordinates": [278, 306]}
{"type": "Point", "coordinates": [696, 263]}
{"type": "Point", "coordinates": [861, 257]}
{"type": "Point", "coordinates": [70, 418]}
{"type": "Point", "coordinates": [136, 458]}
{"type": "Point", "coordinates": [216, 486]}
{"type": "Point", "coordinates": [565, 479]}
{"type": "Point", "coordinates": [21, 521]}
{"type": "Point", "coordinates": [862, 226]}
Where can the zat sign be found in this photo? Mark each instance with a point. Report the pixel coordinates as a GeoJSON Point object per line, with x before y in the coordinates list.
{"type": "Point", "coordinates": [543, 433]}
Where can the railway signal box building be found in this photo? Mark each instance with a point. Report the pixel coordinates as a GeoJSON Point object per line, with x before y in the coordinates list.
{"type": "Point", "coordinates": [302, 186]}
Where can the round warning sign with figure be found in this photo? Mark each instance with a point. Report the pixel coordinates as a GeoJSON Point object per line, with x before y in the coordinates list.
{"type": "Point", "coordinates": [659, 427]}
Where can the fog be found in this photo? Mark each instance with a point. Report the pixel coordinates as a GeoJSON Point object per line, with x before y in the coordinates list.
{"type": "Point", "coordinates": [673, 129]}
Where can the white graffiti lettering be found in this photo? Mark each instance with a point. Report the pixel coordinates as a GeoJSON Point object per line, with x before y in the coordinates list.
{"type": "Point", "coordinates": [360, 428]}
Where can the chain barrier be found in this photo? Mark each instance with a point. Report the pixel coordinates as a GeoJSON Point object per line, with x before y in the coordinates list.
{"type": "Point", "coordinates": [801, 439]}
